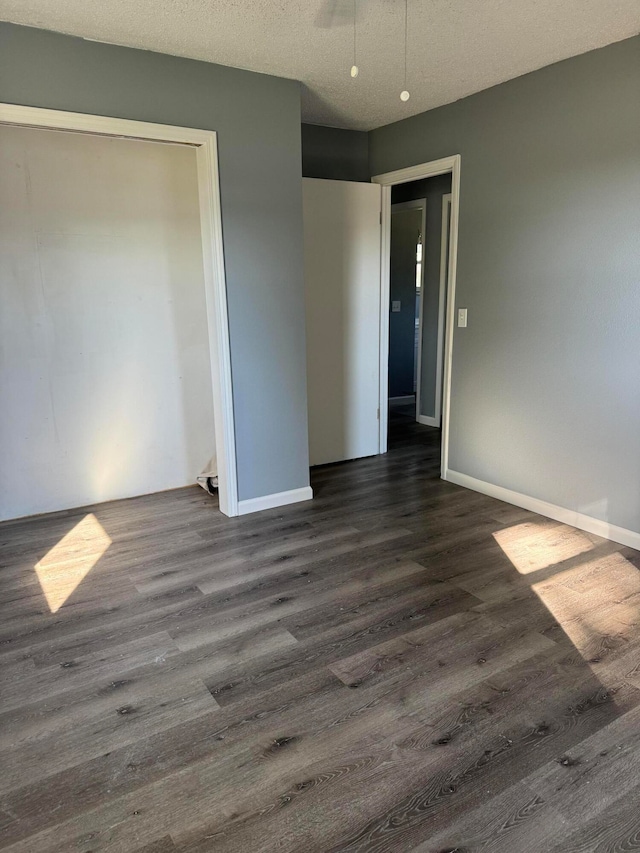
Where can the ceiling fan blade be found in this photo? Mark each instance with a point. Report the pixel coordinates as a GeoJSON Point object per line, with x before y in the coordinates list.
{"type": "Point", "coordinates": [334, 13]}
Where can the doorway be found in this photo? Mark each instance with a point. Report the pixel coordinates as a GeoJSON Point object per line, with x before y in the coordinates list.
{"type": "Point", "coordinates": [91, 325]}
{"type": "Point", "coordinates": [437, 183]}
{"type": "Point", "coordinates": [408, 227]}
{"type": "Point", "coordinates": [420, 218]}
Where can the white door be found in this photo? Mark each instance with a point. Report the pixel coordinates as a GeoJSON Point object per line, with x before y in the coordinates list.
{"type": "Point", "coordinates": [342, 286]}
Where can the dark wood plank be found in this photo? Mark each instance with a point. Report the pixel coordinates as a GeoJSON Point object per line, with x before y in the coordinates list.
{"type": "Point", "coordinates": [400, 664]}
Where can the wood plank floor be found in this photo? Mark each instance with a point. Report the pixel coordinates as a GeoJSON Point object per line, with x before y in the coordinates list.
{"type": "Point", "coordinates": [398, 665]}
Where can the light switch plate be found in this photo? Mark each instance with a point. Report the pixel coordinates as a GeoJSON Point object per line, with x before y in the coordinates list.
{"type": "Point", "coordinates": [395, 306]}
{"type": "Point", "coordinates": [462, 318]}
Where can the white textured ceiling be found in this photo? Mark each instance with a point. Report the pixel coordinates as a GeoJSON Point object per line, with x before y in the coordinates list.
{"type": "Point", "coordinates": [455, 47]}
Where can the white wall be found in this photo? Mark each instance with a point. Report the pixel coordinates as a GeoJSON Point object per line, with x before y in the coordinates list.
{"type": "Point", "coordinates": [105, 380]}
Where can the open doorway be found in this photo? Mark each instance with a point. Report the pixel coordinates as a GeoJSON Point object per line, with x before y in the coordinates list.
{"type": "Point", "coordinates": [420, 215]}
{"type": "Point", "coordinates": [118, 376]}
{"type": "Point", "coordinates": [347, 250]}
{"type": "Point", "coordinates": [406, 274]}
{"type": "Point", "coordinates": [419, 246]}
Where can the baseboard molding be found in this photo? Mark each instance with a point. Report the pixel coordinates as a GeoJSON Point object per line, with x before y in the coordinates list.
{"type": "Point", "coordinates": [425, 420]}
{"type": "Point", "coordinates": [278, 499]}
{"type": "Point", "coordinates": [558, 513]}
{"type": "Point", "coordinates": [410, 398]}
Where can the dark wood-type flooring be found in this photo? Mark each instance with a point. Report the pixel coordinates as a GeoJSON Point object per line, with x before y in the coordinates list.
{"type": "Point", "coordinates": [398, 665]}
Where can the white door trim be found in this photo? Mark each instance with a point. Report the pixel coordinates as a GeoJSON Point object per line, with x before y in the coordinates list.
{"type": "Point", "coordinates": [436, 420]}
{"type": "Point", "coordinates": [417, 204]}
{"type": "Point", "coordinates": [205, 142]}
{"type": "Point", "coordinates": [442, 300]}
{"type": "Point", "coordinates": [388, 180]}
{"type": "Point", "coordinates": [385, 290]}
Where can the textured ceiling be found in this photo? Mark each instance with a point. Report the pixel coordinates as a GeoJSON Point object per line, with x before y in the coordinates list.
{"type": "Point", "coordinates": [455, 47]}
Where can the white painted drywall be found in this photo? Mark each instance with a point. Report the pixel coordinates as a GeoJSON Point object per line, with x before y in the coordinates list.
{"type": "Point", "coordinates": [105, 379]}
{"type": "Point", "coordinates": [342, 292]}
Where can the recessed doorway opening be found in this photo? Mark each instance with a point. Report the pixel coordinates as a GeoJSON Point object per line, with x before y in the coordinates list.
{"type": "Point", "coordinates": [418, 271]}
{"type": "Point", "coordinates": [118, 378]}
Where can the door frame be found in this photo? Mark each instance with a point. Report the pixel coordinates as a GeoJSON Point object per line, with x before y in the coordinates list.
{"type": "Point", "coordinates": [388, 180]}
{"type": "Point", "coordinates": [205, 144]}
{"type": "Point", "coordinates": [445, 231]}
{"type": "Point", "coordinates": [416, 204]}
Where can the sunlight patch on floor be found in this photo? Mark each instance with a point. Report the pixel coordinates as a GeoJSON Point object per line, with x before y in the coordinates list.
{"type": "Point", "coordinates": [595, 600]}
{"type": "Point", "coordinates": [532, 547]}
{"type": "Point", "coordinates": [598, 599]}
{"type": "Point", "coordinates": [66, 565]}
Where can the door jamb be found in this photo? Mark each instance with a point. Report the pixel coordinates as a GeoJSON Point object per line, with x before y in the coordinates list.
{"type": "Point", "coordinates": [445, 231]}
{"type": "Point", "coordinates": [387, 180]}
{"type": "Point", "coordinates": [205, 143]}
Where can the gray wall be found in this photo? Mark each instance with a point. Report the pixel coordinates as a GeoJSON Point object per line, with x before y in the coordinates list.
{"type": "Point", "coordinates": [330, 152]}
{"type": "Point", "coordinates": [432, 189]}
{"type": "Point", "coordinates": [406, 226]}
{"type": "Point", "coordinates": [546, 378]}
{"type": "Point", "coordinates": [258, 123]}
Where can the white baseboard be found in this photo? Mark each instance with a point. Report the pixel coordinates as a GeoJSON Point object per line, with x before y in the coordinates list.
{"type": "Point", "coordinates": [558, 513]}
{"type": "Point", "coordinates": [411, 398]}
{"type": "Point", "coordinates": [425, 420]}
{"type": "Point", "coordinates": [278, 499]}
